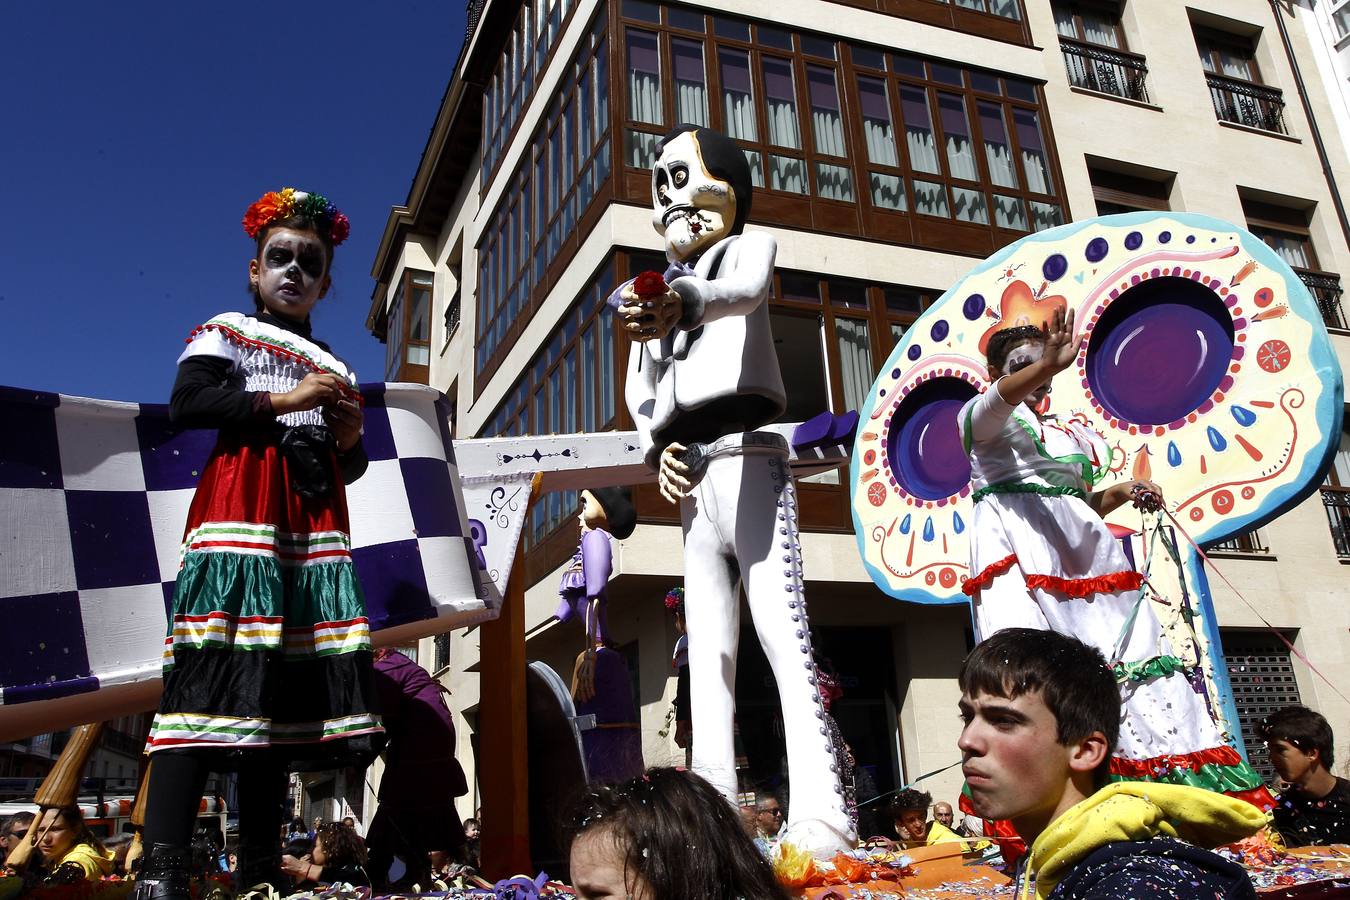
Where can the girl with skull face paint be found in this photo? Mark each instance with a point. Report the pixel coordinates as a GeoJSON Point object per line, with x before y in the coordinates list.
{"type": "Point", "coordinates": [268, 660]}
{"type": "Point", "coordinates": [1042, 557]}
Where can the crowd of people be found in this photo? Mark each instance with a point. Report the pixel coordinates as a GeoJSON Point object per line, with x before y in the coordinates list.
{"type": "Point", "coordinates": [1041, 713]}
{"type": "Point", "coordinates": [326, 853]}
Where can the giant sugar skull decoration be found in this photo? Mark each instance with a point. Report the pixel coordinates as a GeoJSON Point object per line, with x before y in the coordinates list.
{"type": "Point", "coordinates": [1207, 367]}
{"type": "Point", "coordinates": [700, 191]}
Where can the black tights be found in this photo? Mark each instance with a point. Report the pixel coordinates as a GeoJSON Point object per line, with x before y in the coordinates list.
{"type": "Point", "coordinates": [177, 779]}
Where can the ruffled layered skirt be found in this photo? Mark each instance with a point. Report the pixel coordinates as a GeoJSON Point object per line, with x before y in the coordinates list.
{"type": "Point", "coordinates": [268, 647]}
{"type": "Point", "coordinates": [1083, 585]}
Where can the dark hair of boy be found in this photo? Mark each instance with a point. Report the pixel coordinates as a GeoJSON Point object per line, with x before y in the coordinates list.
{"type": "Point", "coordinates": [1073, 679]}
{"type": "Point", "coordinates": [1300, 726]}
{"type": "Point", "coordinates": [996, 352]}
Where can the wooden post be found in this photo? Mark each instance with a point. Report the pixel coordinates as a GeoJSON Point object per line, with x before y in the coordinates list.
{"type": "Point", "coordinates": [503, 758]}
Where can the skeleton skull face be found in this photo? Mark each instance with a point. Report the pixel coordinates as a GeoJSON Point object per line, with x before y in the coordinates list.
{"type": "Point", "coordinates": [692, 208]}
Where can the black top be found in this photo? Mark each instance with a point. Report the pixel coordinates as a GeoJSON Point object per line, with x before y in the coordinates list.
{"type": "Point", "coordinates": [1159, 869]}
{"type": "Point", "coordinates": [1303, 820]}
{"type": "Point", "coordinates": [206, 396]}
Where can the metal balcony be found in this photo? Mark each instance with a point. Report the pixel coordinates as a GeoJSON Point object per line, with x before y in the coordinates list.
{"type": "Point", "coordinates": [1105, 70]}
{"type": "Point", "coordinates": [1336, 500]}
{"type": "Point", "coordinates": [1247, 103]}
{"type": "Point", "coordinates": [1326, 290]}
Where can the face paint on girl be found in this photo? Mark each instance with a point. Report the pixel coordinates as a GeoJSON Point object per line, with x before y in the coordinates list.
{"type": "Point", "coordinates": [291, 273]}
{"type": "Point", "coordinates": [1023, 355]}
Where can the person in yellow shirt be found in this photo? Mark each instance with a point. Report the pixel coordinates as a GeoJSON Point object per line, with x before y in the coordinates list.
{"type": "Point", "coordinates": [909, 812]}
{"type": "Point", "coordinates": [70, 850]}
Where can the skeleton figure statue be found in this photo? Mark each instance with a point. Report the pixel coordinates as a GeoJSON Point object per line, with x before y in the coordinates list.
{"type": "Point", "coordinates": [702, 377]}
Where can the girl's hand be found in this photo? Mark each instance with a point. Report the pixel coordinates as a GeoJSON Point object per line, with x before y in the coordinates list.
{"type": "Point", "coordinates": [315, 390]}
{"type": "Point", "coordinates": [344, 419]}
{"type": "Point", "coordinates": [1145, 495]}
{"type": "Point", "coordinates": [1061, 345]}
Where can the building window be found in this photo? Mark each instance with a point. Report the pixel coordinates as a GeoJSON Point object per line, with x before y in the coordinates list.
{"type": "Point", "coordinates": [938, 155]}
{"type": "Point", "coordinates": [535, 224]}
{"type": "Point", "coordinates": [1235, 85]}
{"type": "Point", "coordinates": [1285, 230]}
{"type": "Point", "coordinates": [1262, 676]}
{"type": "Point", "coordinates": [569, 387]}
{"type": "Point", "coordinates": [1095, 54]}
{"type": "Point", "coordinates": [1340, 20]}
{"type": "Point", "coordinates": [1119, 192]}
{"type": "Point", "coordinates": [523, 60]}
{"type": "Point", "coordinates": [408, 329]}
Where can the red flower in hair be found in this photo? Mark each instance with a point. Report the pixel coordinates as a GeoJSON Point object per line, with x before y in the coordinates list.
{"type": "Point", "coordinates": [649, 284]}
{"type": "Point", "coordinates": [341, 228]}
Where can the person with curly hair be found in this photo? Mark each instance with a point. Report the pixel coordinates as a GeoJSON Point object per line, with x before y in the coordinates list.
{"type": "Point", "coordinates": [338, 857]}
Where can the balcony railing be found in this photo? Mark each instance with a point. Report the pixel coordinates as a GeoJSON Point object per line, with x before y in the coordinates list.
{"type": "Point", "coordinates": [1337, 503]}
{"type": "Point", "coordinates": [1104, 69]}
{"type": "Point", "coordinates": [1326, 290]}
{"type": "Point", "coordinates": [452, 316]}
{"type": "Point", "coordinates": [1247, 103]}
{"type": "Point", "coordinates": [1248, 542]}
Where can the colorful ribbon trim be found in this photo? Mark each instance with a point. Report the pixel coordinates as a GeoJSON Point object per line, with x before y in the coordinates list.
{"type": "Point", "coordinates": [988, 574]}
{"type": "Point", "coordinates": [1027, 487]}
{"type": "Point", "coordinates": [1219, 769]}
{"type": "Point", "coordinates": [1157, 667]}
{"type": "Point", "coordinates": [1111, 583]}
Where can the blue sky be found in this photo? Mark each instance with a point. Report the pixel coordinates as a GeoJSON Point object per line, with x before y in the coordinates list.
{"type": "Point", "coordinates": [136, 134]}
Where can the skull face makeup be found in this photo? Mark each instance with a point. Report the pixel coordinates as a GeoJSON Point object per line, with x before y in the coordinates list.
{"type": "Point", "coordinates": [291, 273]}
{"type": "Point", "coordinates": [690, 207]}
{"type": "Point", "coordinates": [1023, 355]}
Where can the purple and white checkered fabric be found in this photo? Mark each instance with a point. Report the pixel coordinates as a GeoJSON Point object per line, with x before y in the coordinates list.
{"type": "Point", "coordinates": [94, 495]}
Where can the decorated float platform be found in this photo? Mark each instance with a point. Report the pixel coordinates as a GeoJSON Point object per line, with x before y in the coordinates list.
{"type": "Point", "coordinates": [927, 873]}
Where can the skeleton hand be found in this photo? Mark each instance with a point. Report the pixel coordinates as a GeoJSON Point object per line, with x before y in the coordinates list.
{"type": "Point", "coordinates": [671, 477]}
{"type": "Point", "coordinates": [649, 318]}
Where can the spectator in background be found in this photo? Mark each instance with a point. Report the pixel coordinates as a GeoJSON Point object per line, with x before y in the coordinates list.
{"type": "Point", "coordinates": [1315, 807]}
{"type": "Point", "coordinates": [472, 844]}
{"type": "Point", "coordinates": [297, 831]}
{"type": "Point", "coordinates": [667, 835]}
{"type": "Point", "coordinates": [909, 813]}
{"type": "Point", "coordinates": [71, 852]}
{"type": "Point", "coordinates": [338, 857]}
{"type": "Point", "coordinates": [14, 830]}
{"type": "Point", "coordinates": [943, 814]}
{"type": "Point", "coordinates": [314, 828]}
{"type": "Point", "coordinates": [769, 816]}
{"type": "Point", "coordinates": [350, 822]}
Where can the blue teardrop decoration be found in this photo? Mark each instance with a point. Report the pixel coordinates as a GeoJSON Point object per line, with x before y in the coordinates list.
{"type": "Point", "coordinates": [957, 525]}
{"type": "Point", "coordinates": [1244, 416]}
{"type": "Point", "coordinates": [904, 525]}
{"type": "Point", "coordinates": [1173, 454]}
{"type": "Point", "coordinates": [928, 529]}
{"type": "Point", "coordinates": [1216, 440]}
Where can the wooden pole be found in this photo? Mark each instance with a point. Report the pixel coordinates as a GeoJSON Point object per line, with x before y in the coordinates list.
{"type": "Point", "coordinates": [503, 764]}
{"type": "Point", "coordinates": [137, 847]}
{"type": "Point", "coordinates": [60, 788]}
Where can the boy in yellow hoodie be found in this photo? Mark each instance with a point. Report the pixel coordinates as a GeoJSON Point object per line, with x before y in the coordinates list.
{"type": "Point", "coordinates": [1042, 714]}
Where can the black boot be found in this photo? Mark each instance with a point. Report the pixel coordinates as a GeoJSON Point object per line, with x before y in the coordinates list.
{"type": "Point", "coordinates": [164, 874]}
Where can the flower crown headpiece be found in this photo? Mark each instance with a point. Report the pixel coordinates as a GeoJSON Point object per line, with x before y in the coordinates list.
{"type": "Point", "coordinates": [287, 202]}
{"type": "Point", "coordinates": [675, 599]}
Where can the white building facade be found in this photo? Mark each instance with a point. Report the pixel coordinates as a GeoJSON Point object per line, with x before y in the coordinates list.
{"type": "Point", "coordinates": [863, 121]}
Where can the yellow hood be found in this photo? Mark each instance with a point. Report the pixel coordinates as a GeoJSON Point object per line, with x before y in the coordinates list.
{"type": "Point", "coordinates": [1134, 811]}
